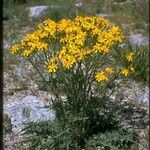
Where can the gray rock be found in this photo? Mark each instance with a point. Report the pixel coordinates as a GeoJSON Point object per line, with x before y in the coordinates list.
{"type": "Point", "coordinates": [37, 11]}
{"type": "Point", "coordinates": [138, 39]}
{"type": "Point", "coordinates": [143, 96]}
{"type": "Point", "coordinates": [28, 109]}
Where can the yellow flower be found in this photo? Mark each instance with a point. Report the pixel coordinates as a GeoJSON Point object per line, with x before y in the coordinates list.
{"type": "Point", "coordinates": [14, 49]}
{"type": "Point", "coordinates": [104, 49]}
{"type": "Point", "coordinates": [125, 72]}
{"type": "Point", "coordinates": [26, 53]}
{"type": "Point", "coordinates": [100, 76]}
{"type": "Point", "coordinates": [129, 56]}
{"type": "Point", "coordinates": [52, 68]}
{"type": "Point", "coordinates": [68, 61]}
{"type": "Point", "coordinates": [109, 70]}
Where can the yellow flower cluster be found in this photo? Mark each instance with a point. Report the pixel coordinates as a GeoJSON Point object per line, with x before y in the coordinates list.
{"type": "Point", "coordinates": [75, 40]}
{"type": "Point", "coordinates": [78, 38]}
{"type": "Point", "coordinates": [35, 41]}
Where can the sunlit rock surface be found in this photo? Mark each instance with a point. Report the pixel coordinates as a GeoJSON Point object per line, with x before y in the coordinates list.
{"type": "Point", "coordinates": [138, 39]}
{"type": "Point", "coordinates": [37, 11]}
{"type": "Point", "coordinates": [27, 109]}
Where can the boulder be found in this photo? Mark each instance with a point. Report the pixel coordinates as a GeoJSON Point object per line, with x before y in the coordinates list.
{"type": "Point", "coordinates": [37, 11]}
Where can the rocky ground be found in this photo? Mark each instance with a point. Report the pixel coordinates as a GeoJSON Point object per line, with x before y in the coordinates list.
{"type": "Point", "coordinates": [25, 102]}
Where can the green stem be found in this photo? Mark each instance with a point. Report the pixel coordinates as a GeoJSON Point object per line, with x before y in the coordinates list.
{"type": "Point", "coordinates": [43, 77]}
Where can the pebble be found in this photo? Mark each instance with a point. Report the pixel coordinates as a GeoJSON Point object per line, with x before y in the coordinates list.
{"type": "Point", "coordinates": [78, 4]}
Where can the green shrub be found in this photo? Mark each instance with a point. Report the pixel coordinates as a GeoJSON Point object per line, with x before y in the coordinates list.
{"type": "Point", "coordinates": [115, 140]}
{"type": "Point", "coordinates": [93, 128]}
{"type": "Point", "coordinates": [142, 64]}
{"type": "Point", "coordinates": [140, 61]}
{"type": "Point", "coordinates": [78, 57]}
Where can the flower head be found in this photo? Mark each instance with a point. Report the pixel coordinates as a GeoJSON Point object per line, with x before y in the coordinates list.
{"type": "Point", "coordinates": [109, 70]}
{"type": "Point", "coordinates": [26, 53]}
{"type": "Point", "coordinates": [14, 49]}
{"type": "Point", "coordinates": [125, 72]}
{"type": "Point", "coordinates": [129, 56]}
{"type": "Point", "coordinates": [52, 68]}
{"type": "Point", "coordinates": [100, 76]}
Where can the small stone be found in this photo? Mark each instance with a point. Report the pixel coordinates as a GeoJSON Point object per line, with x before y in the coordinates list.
{"type": "Point", "coordinates": [78, 5]}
